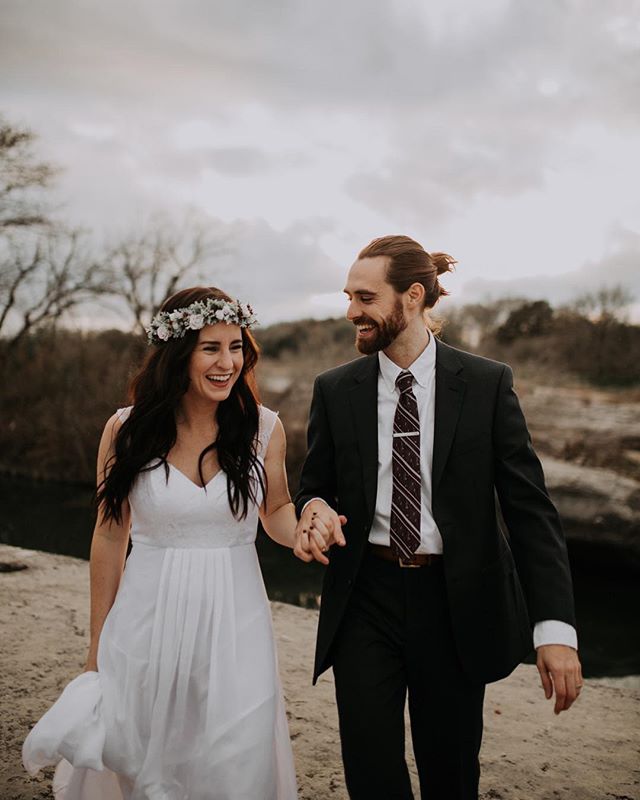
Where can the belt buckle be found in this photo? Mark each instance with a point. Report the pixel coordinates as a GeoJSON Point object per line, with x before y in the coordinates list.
{"type": "Point", "coordinates": [403, 563]}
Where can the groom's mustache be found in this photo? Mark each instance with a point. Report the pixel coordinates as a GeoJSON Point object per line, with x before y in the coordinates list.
{"type": "Point", "coordinates": [364, 321]}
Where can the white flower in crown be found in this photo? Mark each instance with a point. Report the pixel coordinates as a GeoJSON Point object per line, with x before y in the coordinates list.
{"type": "Point", "coordinates": [196, 322]}
{"type": "Point", "coordinates": [163, 333]}
{"type": "Point", "coordinates": [220, 314]}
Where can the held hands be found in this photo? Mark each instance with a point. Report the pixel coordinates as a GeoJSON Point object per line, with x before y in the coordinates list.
{"type": "Point", "coordinates": [318, 528]}
{"type": "Point", "coordinates": [560, 669]}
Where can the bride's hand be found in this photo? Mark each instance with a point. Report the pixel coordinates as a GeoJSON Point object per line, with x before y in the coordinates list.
{"type": "Point", "coordinates": [319, 528]}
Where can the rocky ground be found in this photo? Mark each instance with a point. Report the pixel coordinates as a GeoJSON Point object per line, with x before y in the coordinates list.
{"type": "Point", "coordinates": [589, 753]}
{"type": "Point", "coordinates": [589, 442]}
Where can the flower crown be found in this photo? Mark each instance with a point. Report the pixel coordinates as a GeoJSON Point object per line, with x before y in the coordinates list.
{"type": "Point", "coordinates": [174, 324]}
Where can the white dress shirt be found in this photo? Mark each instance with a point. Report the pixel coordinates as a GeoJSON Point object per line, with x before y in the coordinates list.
{"type": "Point", "coordinates": [424, 388]}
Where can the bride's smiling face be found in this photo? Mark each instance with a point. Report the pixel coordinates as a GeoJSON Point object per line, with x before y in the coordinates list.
{"type": "Point", "coordinates": [216, 361]}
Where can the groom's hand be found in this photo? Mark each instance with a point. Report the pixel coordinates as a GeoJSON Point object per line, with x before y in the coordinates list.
{"type": "Point", "coordinates": [560, 670]}
{"type": "Point", "coordinates": [318, 528]}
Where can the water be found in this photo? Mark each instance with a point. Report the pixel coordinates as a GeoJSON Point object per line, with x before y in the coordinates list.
{"type": "Point", "coordinates": [58, 518]}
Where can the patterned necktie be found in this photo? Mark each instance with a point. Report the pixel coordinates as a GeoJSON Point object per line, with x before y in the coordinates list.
{"type": "Point", "coordinates": [406, 494]}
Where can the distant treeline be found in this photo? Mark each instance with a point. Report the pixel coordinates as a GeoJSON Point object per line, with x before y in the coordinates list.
{"type": "Point", "coordinates": [595, 345]}
{"type": "Point", "coordinates": [58, 387]}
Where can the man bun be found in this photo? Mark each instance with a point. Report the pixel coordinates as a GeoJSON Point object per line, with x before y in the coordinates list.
{"type": "Point", "coordinates": [443, 262]}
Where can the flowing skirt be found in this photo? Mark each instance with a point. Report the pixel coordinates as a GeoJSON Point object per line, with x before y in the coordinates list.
{"type": "Point", "coordinates": [187, 703]}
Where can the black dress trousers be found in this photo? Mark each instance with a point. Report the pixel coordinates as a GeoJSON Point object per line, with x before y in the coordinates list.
{"type": "Point", "coordinates": [396, 640]}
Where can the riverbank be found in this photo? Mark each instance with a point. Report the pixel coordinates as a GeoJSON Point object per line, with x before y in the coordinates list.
{"type": "Point", "coordinates": [589, 753]}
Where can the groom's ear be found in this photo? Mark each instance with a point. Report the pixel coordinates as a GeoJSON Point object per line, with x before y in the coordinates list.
{"type": "Point", "coordinates": [416, 295]}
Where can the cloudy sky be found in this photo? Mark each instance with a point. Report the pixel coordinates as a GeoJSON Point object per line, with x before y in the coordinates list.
{"type": "Point", "coordinates": [505, 132]}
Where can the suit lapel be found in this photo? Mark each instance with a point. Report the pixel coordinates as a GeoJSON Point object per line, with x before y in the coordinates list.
{"type": "Point", "coordinates": [449, 396]}
{"type": "Point", "coordinates": [363, 398]}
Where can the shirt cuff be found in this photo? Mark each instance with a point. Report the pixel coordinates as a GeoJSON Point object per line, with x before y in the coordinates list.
{"type": "Point", "coordinates": [311, 501]}
{"type": "Point", "coordinates": [553, 631]}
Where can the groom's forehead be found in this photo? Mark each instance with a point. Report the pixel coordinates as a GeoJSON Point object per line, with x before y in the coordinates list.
{"type": "Point", "coordinates": [367, 276]}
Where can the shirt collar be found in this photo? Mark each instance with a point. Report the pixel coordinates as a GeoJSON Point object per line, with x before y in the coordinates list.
{"type": "Point", "coordinates": [421, 369]}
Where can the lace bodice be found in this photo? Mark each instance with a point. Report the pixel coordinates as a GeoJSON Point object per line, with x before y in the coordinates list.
{"type": "Point", "coordinates": [177, 513]}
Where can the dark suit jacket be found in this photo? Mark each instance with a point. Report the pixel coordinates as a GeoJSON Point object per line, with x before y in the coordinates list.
{"type": "Point", "coordinates": [497, 587]}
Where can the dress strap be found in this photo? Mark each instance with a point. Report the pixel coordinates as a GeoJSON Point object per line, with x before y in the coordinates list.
{"type": "Point", "coordinates": [267, 424]}
{"type": "Point", "coordinates": [123, 413]}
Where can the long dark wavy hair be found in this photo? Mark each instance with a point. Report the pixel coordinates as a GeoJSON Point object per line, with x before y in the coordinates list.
{"type": "Point", "coordinates": [149, 432]}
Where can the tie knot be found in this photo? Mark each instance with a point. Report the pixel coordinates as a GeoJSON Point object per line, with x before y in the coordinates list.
{"type": "Point", "coordinates": [404, 381]}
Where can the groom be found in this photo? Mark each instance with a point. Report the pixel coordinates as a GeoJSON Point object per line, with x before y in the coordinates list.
{"type": "Point", "coordinates": [423, 595]}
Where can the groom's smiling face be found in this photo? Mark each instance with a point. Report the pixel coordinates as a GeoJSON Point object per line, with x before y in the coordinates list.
{"type": "Point", "coordinates": [375, 308]}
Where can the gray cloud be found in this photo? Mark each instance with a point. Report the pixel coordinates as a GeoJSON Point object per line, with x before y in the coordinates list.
{"type": "Point", "coordinates": [276, 271]}
{"type": "Point", "coordinates": [387, 57]}
{"type": "Point", "coordinates": [443, 170]}
{"type": "Point", "coordinates": [506, 106]}
{"type": "Point", "coordinates": [620, 266]}
{"type": "Point", "coordinates": [235, 162]}
{"type": "Point", "coordinates": [401, 114]}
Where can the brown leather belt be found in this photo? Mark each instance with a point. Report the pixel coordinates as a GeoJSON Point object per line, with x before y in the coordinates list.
{"type": "Point", "coordinates": [416, 560]}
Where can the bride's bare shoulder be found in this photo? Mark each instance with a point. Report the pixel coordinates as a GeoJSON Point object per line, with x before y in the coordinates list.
{"type": "Point", "coordinates": [112, 426]}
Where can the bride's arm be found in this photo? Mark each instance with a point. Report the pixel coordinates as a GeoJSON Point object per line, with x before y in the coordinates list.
{"type": "Point", "coordinates": [277, 513]}
{"type": "Point", "coordinates": [108, 551]}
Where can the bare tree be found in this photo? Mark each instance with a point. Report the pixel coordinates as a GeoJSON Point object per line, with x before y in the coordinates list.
{"type": "Point", "coordinates": [22, 179]}
{"type": "Point", "coordinates": [474, 322]}
{"type": "Point", "coordinates": [149, 267]}
{"type": "Point", "coordinates": [45, 268]}
{"type": "Point", "coordinates": [605, 303]}
{"type": "Point", "coordinates": [43, 277]}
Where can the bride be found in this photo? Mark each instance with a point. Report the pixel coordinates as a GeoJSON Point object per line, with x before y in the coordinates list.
{"type": "Point", "coordinates": [180, 698]}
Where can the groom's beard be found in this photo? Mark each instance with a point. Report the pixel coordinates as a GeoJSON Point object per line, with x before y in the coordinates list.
{"type": "Point", "coordinates": [384, 332]}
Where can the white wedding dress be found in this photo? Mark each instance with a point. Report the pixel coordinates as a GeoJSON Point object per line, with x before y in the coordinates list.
{"type": "Point", "coordinates": [186, 703]}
